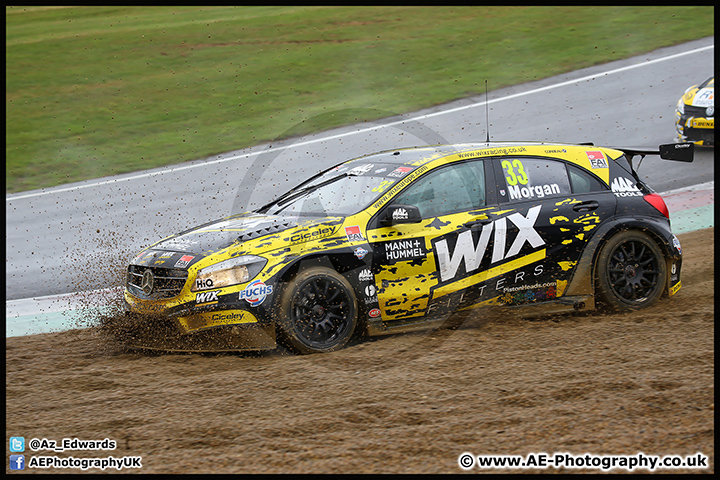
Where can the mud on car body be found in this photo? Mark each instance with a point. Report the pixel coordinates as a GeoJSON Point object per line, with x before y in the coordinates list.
{"type": "Point", "coordinates": [695, 114]}
{"type": "Point", "coordinates": [398, 240]}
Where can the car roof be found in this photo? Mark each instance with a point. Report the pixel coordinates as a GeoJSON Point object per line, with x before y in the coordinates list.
{"type": "Point", "coordinates": [425, 155]}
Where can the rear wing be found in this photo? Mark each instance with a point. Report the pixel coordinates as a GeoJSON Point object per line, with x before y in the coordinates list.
{"type": "Point", "coordinates": [679, 152]}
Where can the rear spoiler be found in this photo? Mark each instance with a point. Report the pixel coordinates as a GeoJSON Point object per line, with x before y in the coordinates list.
{"type": "Point", "coordinates": [680, 152]}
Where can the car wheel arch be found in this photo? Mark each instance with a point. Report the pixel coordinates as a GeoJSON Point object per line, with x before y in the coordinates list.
{"type": "Point", "coordinates": [343, 263]}
{"type": "Point", "coordinates": [582, 281]}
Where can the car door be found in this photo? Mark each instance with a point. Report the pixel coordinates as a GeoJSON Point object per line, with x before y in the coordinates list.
{"type": "Point", "coordinates": [405, 259]}
{"type": "Point", "coordinates": [570, 203]}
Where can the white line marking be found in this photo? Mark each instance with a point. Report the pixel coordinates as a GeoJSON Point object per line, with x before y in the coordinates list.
{"type": "Point", "coordinates": [309, 142]}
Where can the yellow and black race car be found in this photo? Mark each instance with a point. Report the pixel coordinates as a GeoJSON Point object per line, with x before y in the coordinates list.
{"type": "Point", "coordinates": [398, 240]}
{"type": "Point", "coordinates": [695, 114]}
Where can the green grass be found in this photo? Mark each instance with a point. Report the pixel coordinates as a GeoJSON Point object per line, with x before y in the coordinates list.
{"type": "Point", "coordinates": [96, 91]}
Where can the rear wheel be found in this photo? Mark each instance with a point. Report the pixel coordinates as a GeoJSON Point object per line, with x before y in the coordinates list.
{"type": "Point", "coordinates": [318, 311]}
{"type": "Point", "coordinates": [631, 272]}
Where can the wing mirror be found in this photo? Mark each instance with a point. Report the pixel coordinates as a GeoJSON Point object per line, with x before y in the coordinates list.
{"type": "Point", "coordinates": [396, 214]}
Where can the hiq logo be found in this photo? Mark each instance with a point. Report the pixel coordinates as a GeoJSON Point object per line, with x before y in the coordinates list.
{"type": "Point", "coordinates": [17, 462]}
{"type": "Point", "coordinates": [17, 444]}
{"type": "Point", "coordinates": [256, 292]}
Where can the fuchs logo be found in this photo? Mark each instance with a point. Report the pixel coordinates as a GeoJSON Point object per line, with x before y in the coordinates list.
{"type": "Point", "coordinates": [622, 187]}
{"type": "Point", "coordinates": [400, 214]}
{"type": "Point", "coordinates": [365, 275]}
{"type": "Point", "coordinates": [256, 292]}
{"type": "Point", "coordinates": [353, 234]}
{"type": "Point", "coordinates": [205, 297]}
{"type": "Point", "coordinates": [465, 248]}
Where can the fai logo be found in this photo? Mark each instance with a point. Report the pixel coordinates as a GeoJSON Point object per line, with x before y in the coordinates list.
{"type": "Point", "coordinates": [597, 159]}
{"type": "Point", "coordinates": [400, 172]}
{"type": "Point", "coordinates": [256, 292]}
{"type": "Point", "coordinates": [353, 234]}
{"type": "Point", "coordinates": [622, 187]}
{"type": "Point", "coordinates": [184, 261]}
{"type": "Point", "coordinates": [466, 250]}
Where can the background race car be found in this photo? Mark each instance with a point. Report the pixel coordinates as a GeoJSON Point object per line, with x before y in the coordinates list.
{"type": "Point", "coordinates": [695, 114]}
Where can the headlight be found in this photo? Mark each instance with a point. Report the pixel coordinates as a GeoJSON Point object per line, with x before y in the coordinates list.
{"type": "Point", "coordinates": [228, 272]}
{"type": "Point", "coordinates": [681, 107]}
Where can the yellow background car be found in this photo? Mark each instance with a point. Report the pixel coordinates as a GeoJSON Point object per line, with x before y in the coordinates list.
{"type": "Point", "coordinates": [695, 114]}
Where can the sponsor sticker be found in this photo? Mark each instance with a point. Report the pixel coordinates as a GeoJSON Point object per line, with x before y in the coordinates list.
{"type": "Point", "coordinates": [374, 313]}
{"type": "Point", "coordinates": [360, 252]}
{"type": "Point", "coordinates": [184, 261]}
{"type": "Point", "coordinates": [676, 244]}
{"type": "Point", "coordinates": [205, 284]}
{"type": "Point", "coordinates": [214, 319]}
{"type": "Point", "coordinates": [468, 251]}
{"type": "Point", "coordinates": [400, 172]}
{"type": "Point", "coordinates": [402, 250]}
{"type": "Point", "coordinates": [256, 292]}
{"type": "Point", "coordinates": [622, 187]}
{"type": "Point", "coordinates": [207, 297]}
{"type": "Point", "coordinates": [597, 159]}
{"type": "Point", "coordinates": [365, 275]}
{"type": "Point", "coordinates": [353, 234]}
{"type": "Point", "coordinates": [362, 169]}
{"type": "Point", "coordinates": [400, 214]}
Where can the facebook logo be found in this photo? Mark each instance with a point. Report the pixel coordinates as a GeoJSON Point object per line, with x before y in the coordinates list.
{"type": "Point", "coordinates": [17, 462]}
{"type": "Point", "coordinates": [17, 444]}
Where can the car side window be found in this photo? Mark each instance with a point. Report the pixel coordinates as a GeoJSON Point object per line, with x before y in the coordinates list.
{"type": "Point", "coordinates": [531, 179]}
{"type": "Point", "coordinates": [583, 182]}
{"type": "Point", "coordinates": [450, 189]}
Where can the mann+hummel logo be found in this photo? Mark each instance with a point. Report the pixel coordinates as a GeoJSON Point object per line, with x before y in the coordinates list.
{"type": "Point", "coordinates": [622, 187]}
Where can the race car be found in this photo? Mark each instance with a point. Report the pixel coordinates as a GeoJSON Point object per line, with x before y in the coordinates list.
{"type": "Point", "coordinates": [695, 112]}
{"type": "Point", "coordinates": [400, 240]}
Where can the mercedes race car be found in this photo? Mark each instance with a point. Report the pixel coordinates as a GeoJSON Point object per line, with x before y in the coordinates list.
{"type": "Point", "coordinates": [695, 114]}
{"type": "Point", "coordinates": [399, 240]}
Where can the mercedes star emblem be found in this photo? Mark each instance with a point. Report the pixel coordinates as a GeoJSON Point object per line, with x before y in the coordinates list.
{"type": "Point", "coordinates": [147, 282]}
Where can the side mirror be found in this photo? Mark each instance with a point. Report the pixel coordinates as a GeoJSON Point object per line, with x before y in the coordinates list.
{"type": "Point", "coordinates": [396, 214]}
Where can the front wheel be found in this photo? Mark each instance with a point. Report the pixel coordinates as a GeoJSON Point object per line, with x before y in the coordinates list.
{"type": "Point", "coordinates": [631, 272]}
{"type": "Point", "coordinates": [318, 311]}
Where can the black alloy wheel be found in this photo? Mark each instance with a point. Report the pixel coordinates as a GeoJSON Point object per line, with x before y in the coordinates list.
{"type": "Point", "coordinates": [632, 272]}
{"type": "Point", "coordinates": [318, 311]}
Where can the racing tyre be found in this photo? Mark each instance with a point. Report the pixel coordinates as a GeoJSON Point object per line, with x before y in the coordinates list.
{"type": "Point", "coordinates": [318, 312]}
{"type": "Point", "coordinates": [631, 272]}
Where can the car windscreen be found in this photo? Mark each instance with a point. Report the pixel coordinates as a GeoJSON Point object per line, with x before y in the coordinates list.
{"type": "Point", "coordinates": [342, 191]}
